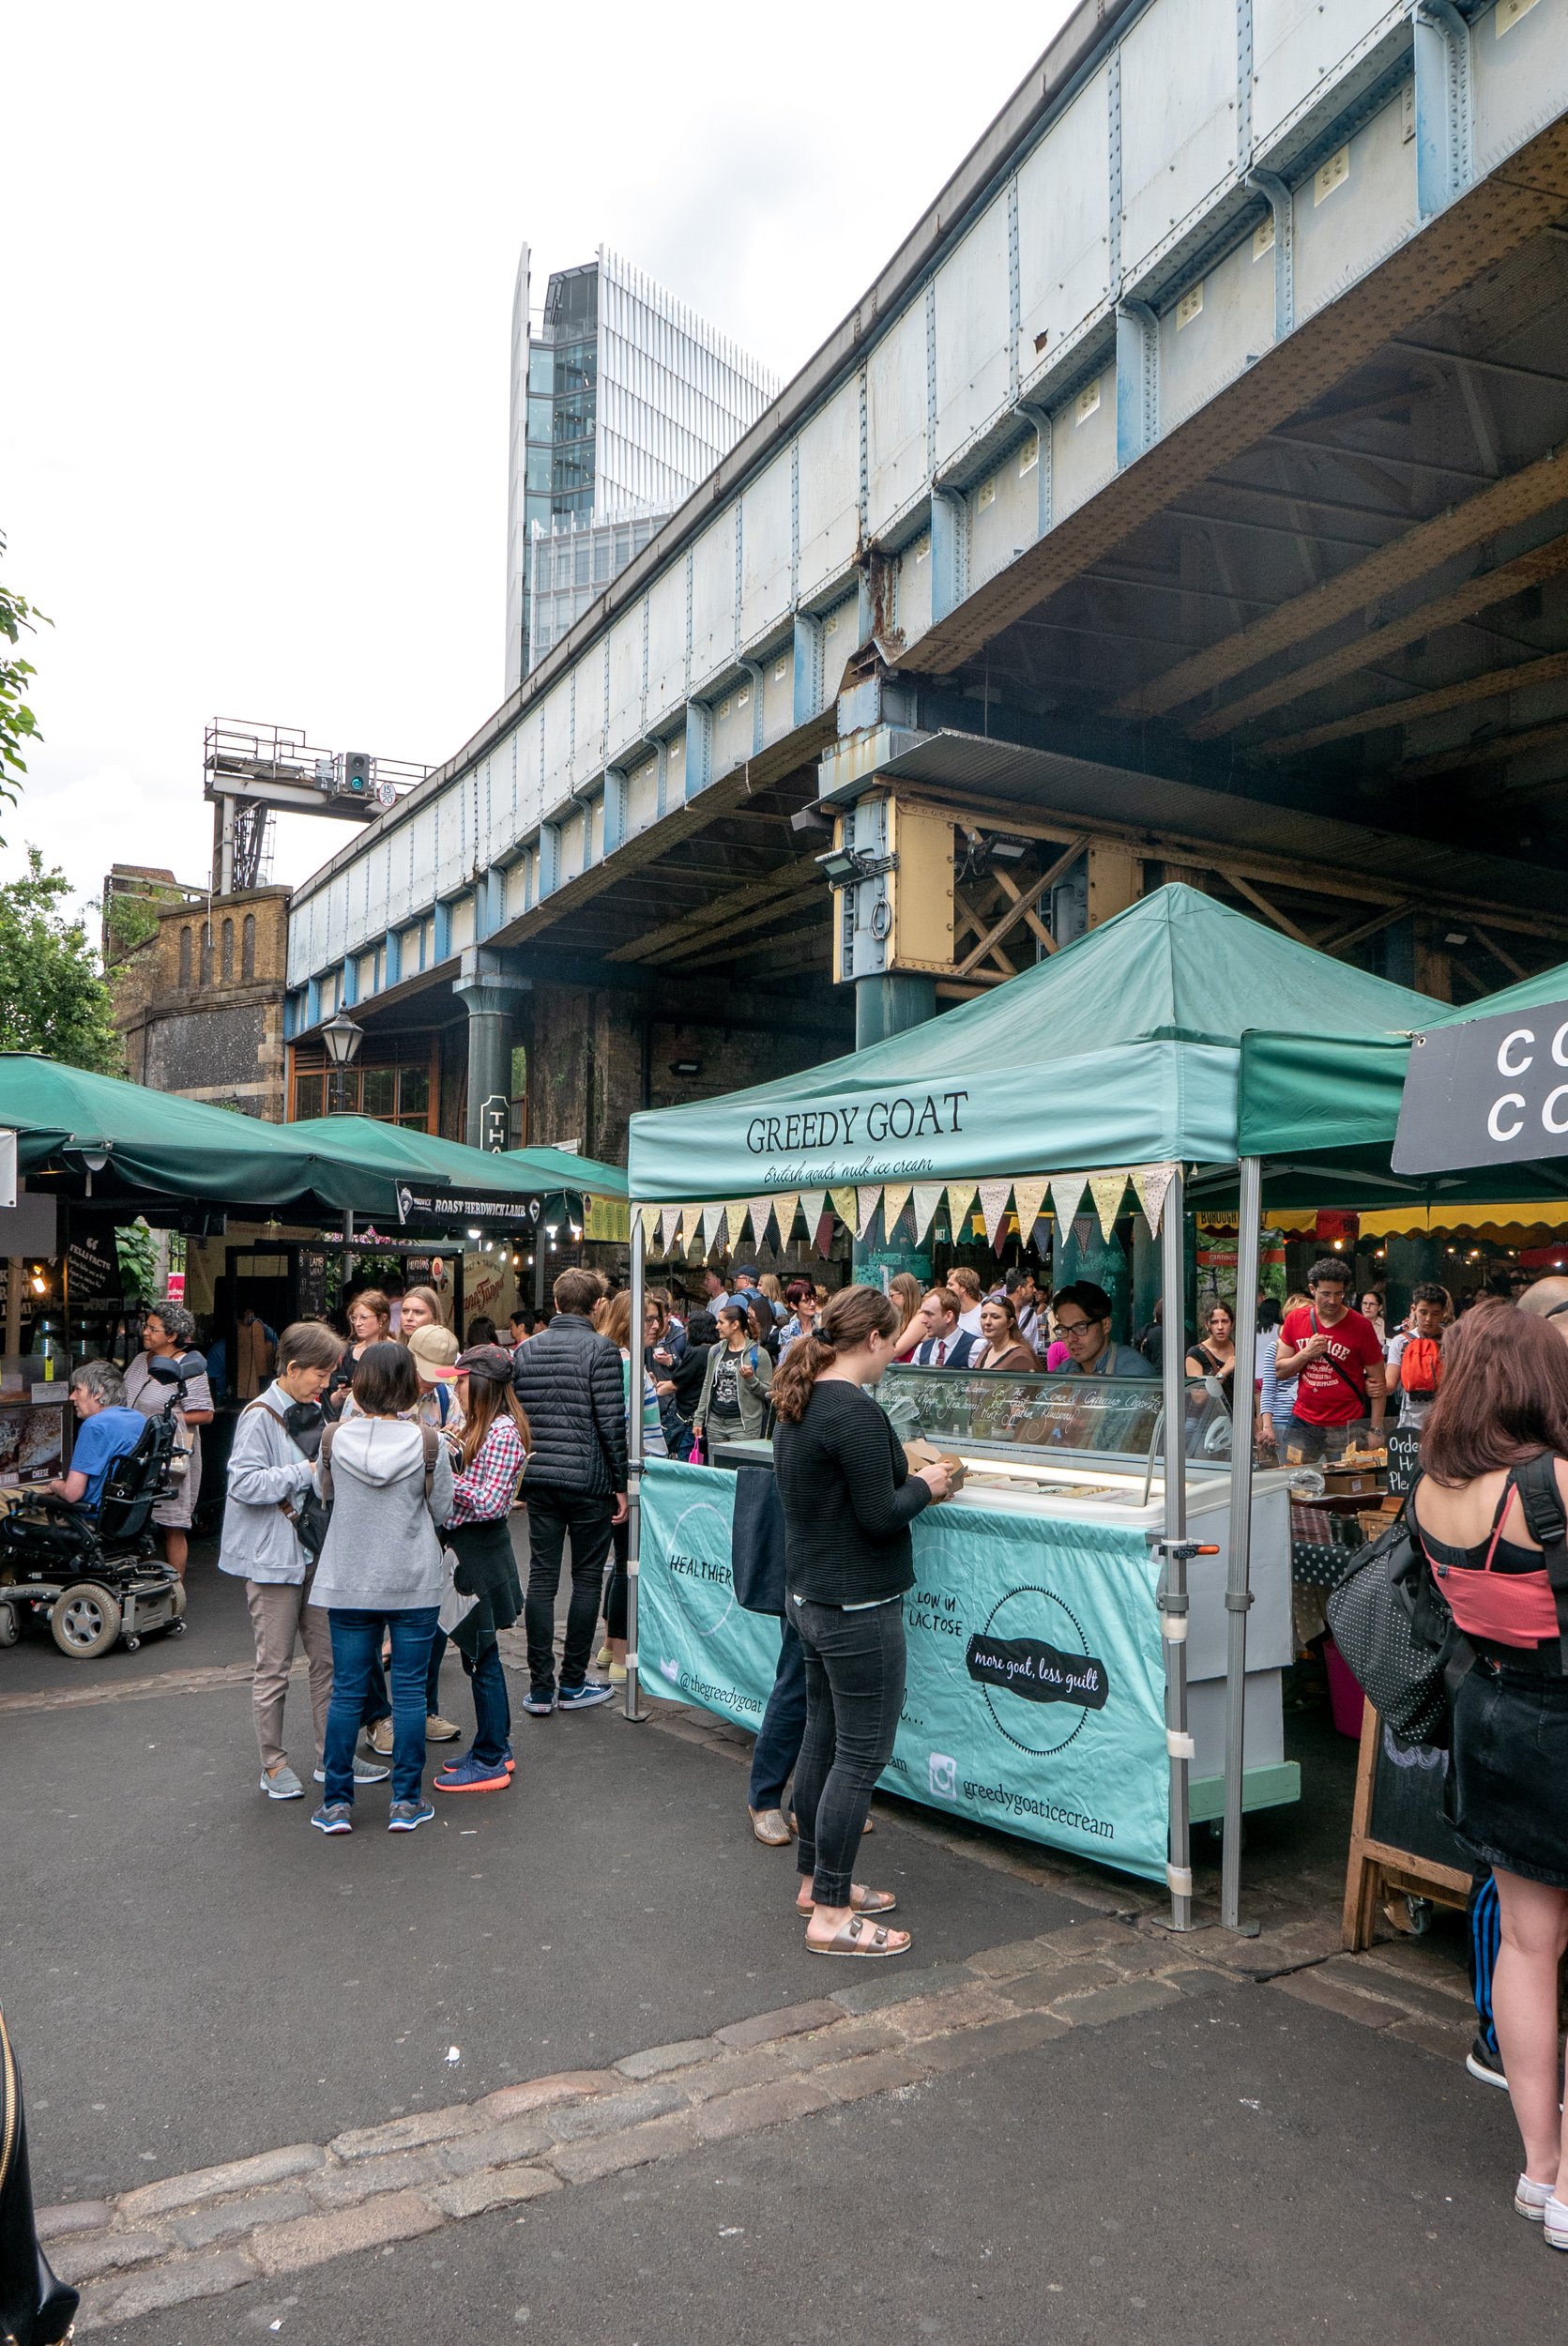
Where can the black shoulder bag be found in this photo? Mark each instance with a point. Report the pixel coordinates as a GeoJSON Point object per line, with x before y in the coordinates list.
{"type": "Point", "coordinates": [1396, 1634]}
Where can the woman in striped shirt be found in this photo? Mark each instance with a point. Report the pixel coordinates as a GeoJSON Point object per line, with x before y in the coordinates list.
{"type": "Point", "coordinates": [488, 1459]}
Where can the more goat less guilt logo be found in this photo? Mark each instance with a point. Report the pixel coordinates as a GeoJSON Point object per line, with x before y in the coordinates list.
{"type": "Point", "coordinates": [908, 1116]}
{"type": "Point", "coordinates": [1055, 1674]}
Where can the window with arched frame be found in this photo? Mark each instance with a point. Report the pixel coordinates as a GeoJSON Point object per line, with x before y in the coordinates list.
{"type": "Point", "coordinates": [206, 953]}
{"type": "Point", "coordinates": [228, 951]}
{"type": "Point", "coordinates": [185, 958]}
{"type": "Point", "coordinates": [248, 948]}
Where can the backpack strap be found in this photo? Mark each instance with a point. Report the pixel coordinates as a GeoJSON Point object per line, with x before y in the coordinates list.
{"type": "Point", "coordinates": [1542, 1500]}
{"type": "Point", "coordinates": [430, 1442]}
{"type": "Point", "coordinates": [287, 1507]}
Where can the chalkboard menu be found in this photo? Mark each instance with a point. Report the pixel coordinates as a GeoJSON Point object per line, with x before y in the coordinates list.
{"type": "Point", "coordinates": [1408, 1787]}
{"type": "Point", "coordinates": [1404, 1456]}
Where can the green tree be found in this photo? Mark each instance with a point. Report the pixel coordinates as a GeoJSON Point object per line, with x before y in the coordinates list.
{"type": "Point", "coordinates": [17, 721]}
{"type": "Point", "coordinates": [53, 997]}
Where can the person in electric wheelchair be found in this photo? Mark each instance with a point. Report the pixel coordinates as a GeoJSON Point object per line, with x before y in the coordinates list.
{"type": "Point", "coordinates": [79, 1550]}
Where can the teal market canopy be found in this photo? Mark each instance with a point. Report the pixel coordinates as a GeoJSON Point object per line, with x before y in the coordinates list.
{"type": "Point", "coordinates": [1297, 1088]}
{"type": "Point", "coordinates": [425, 1162]}
{"type": "Point", "coordinates": [115, 1140]}
{"type": "Point", "coordinates": [1123, 1050]}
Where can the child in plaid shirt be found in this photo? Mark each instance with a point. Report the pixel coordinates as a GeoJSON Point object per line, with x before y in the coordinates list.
{"type": "Point", "coordinates": [488, 1459]}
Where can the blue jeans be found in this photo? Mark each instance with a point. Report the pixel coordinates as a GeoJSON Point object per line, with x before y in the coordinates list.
{"type": "Point", "coordinates": [376, 1704]}
{"type": "Point", "coordinates": [783, 1723]}
{"type": "Point", "coordinates": [356, 1637]}
{"type": "Point", "coordinates": [487, 1681]}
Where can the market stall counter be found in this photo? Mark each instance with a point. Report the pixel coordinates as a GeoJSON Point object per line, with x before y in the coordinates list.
{"type": "Point", "coordinates": [1036, 1694]}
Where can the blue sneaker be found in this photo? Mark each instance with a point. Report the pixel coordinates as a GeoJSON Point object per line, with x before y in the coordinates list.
{"type": "Point", "coordinates": [408, 1815]}
{"type": "Point", "coordinates": [469, 1775]}
{"type": "Point", "coordinates": [585, 1697]}
{"type": "Point", "coordinates": [333, 1816]}
{"type": "Point", "coordinates": [540, 1701]}
{"type": "Point", "coordinates": [506, 1755]}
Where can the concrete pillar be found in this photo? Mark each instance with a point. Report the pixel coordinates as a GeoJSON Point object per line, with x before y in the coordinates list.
{"type": "Point", "coordinates": [886, 1004]}
{"type": "Point", "coordinates": [489, 992]}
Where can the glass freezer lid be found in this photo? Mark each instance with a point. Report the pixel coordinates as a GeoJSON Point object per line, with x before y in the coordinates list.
{"type": "Point", "coordinates": [1098, 1417]}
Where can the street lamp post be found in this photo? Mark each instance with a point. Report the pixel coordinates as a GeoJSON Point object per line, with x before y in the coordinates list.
{"type": "Point", "coordinates": [341, 1039]}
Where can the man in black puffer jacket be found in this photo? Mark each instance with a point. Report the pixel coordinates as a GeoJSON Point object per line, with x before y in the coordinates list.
{"type": "Point", "coordinates": [568, 1380]}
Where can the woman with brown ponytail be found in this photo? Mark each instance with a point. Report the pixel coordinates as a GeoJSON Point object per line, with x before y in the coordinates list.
{"type": "Point", "coordinates": [849, 1498]}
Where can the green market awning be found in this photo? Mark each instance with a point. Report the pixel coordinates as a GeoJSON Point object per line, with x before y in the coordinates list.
{"type": "Point", "coordinates": [1297, 1088]}
{"type": "Point", "coordinates": [446, 1178]}
{"type": "Point", "coordinates": [1123, 1050]}
{"type": "Point", "coordinates": [122, 1141]}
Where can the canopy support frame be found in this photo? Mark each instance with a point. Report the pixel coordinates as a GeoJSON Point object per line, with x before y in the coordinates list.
{"type": "Point", "coordinates": [1173, 1578]}
{"type": "Point", "coordinates": [636, 1714]}
{"type": "Point", "coordinates": [1239, 1593]}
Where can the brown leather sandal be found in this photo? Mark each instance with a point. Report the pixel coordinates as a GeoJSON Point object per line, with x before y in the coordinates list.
{"type": "Point", "coordinates": [864, 1901]}
{"type": "Point", "coordinates": [861, 1937]}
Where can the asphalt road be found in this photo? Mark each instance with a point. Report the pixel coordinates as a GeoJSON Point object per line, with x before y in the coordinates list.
{"type": "Point", "coordinates": [191, 1974]}
{"type": "Point", "coordinates": [1235, 2168]}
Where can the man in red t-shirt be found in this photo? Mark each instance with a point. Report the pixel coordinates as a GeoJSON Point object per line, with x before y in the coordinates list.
{"type": "Point", "coordinates": [1338, 1361]}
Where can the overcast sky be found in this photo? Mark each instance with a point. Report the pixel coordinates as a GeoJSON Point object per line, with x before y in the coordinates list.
{"type": "Point", "coordinates": [253, 422]}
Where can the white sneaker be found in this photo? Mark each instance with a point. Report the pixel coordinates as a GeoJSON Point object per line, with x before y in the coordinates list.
{"type": "Point", "coordinates": [1529, 2201]}
{"type": "Point", "coordinates": [281, 1783]}
{"type": "Point", "coordinates": [1555, 2214]}
{"type": "Point", "coordinates": [364, 1774]}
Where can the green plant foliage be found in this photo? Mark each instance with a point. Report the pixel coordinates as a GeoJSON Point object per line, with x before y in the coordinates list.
{"type": "Point", "coordinates": [137, 1251]}
{"type": "Point", "coordinates": [18, 724]}
{"type": "Point", "coordinates": [53, 997]}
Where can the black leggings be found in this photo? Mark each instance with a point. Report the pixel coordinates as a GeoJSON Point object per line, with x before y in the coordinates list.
{"type": "Point", "coordinates": [854, 1694]}
{"type": "Point", "coordinates": [615, 1599]}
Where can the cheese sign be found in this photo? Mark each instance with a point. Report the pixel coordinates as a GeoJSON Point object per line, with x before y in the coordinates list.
{"type": "Point", "coordinates": [1487, 1091]}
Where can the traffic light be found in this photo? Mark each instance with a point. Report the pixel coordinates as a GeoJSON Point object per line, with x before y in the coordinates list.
{"type": "Point", "coordinates": [356, 773]}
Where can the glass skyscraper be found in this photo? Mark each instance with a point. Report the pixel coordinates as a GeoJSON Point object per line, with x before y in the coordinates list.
{"type": "Point", "coordinates": [622, 401]}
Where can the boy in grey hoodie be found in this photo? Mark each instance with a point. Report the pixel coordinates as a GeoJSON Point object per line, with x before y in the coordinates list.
{"type": "Point", "coordinates": [381, 1574]}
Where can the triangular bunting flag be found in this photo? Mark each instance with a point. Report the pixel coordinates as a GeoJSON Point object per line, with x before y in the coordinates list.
{"type": "Point", "coordinates": [961, 1198]}
{"type": "Point", "coordinates": [789, 1207]}
{"type": "Point", "coordinates": [825, 1227]}
{"type": "Point", "coordinates": [696, 1240]}
{"type": "Point", "coordinates": [1108, 1191]}
{"type": "Point", "coordinates": [712, 1227]}
{"type": "Point", "coordinates": [760, 1211]}
{"type": "Point", "coordinates": [928, 1196]}
{"type": "Point", "coordinates": [992, 1205]}
{"type": "Point", "coordinates": [669, 1223]}
{"type": "Point", "coordinates": [814, 1204]}
{"type": "Point", "coordinates": [894, 1198]}
{"type": "Point", "coordinates": [1151, 1185]}
{"type": "Point", "coordinates": [735, 1224]}
{"type": "Point", "coordinates": [867, 1199]}
{"type": "Point", "coordinates": [1028, 1197]}
{"type": "Point", "coordinates": [843, 1203]}
{"type": "Point", "coordinates": [650, 1227]}
{"type": "Point", "coordinates": [1067, 1196]}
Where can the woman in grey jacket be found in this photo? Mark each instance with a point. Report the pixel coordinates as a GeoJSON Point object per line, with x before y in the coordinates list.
{"type": "Point", "coordinates": [381, 1574]}
{"type": "Point", "coordinates": [270, 1473]}
{"type": "Point", "coordinates": [733, 1404]}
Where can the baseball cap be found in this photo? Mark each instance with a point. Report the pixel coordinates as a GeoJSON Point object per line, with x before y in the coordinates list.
{"type": "Point", "coordinates": [434, 1352]}
{"type": "Point", "coordinates": [486, 1361]}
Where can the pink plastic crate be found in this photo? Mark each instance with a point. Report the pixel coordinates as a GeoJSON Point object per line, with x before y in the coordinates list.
{"type": "Point", "coordinates": [1345, 1698]}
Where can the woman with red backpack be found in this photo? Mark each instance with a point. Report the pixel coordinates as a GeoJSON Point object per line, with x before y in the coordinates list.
{"type": "Point", "coordinates": [1491, 1514]}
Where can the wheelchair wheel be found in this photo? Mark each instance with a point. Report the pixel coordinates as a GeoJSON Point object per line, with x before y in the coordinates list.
{"type": "Point", "coordinates": [85, 1621]}
{"type": "Point", "coordinates": [177, 1596]}
{"type": "Point", "coordinates": [10, 1628]}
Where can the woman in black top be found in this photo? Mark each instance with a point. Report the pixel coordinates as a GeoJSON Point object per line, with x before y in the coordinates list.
{"type": "Point", "coordinates": [1214, 1354]}
{"type": "Point", "coordinates": [849, 1498]}
{"type": "Point", "coordinates": [1493, 1455]}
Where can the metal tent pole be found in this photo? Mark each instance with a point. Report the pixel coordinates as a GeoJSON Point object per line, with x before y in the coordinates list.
{"type": "Point", "coordinates": [1238, 1594]}
{"type": "Point", "coordinates": [1173, 1584]}
{"type": "Point", "coordinates": [634, 1464]}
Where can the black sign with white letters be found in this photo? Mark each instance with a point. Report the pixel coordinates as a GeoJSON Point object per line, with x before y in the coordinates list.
{"type": "Point", "coordinates": [1489, 1091]}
